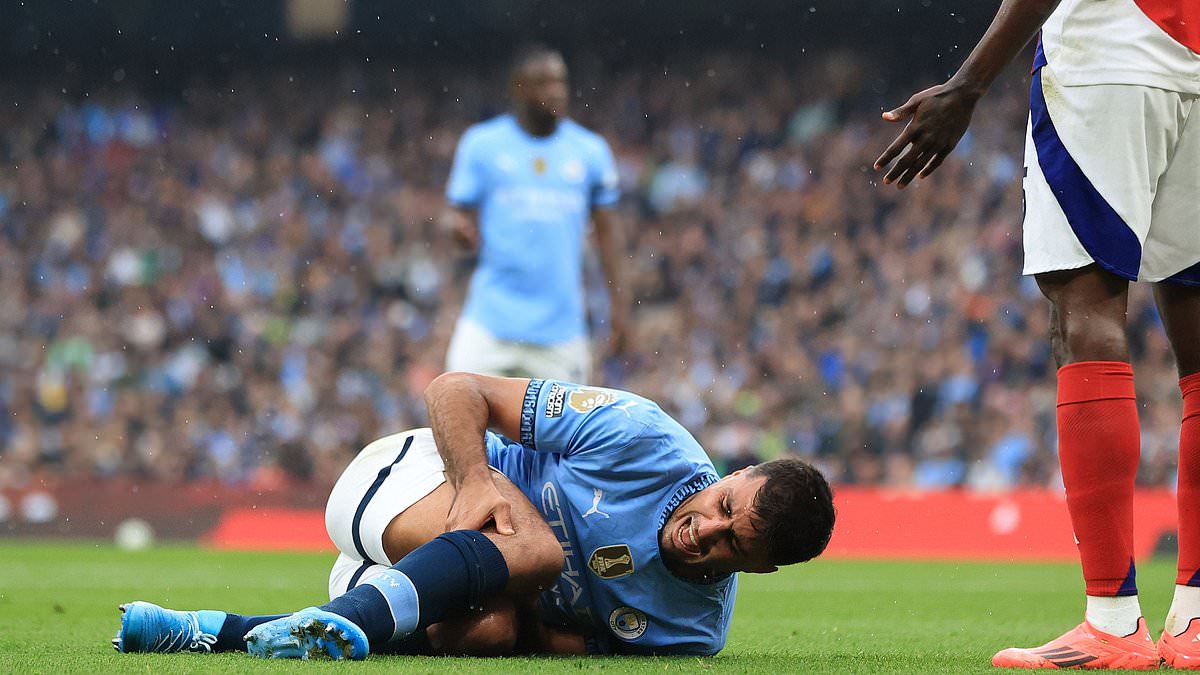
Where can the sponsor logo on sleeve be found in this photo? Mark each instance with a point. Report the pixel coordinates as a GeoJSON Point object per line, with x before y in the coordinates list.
{"type": "Point", "coordinates": [587, 400]}
{"type": "Point", "coordinates": [611, 562]}
{"type": "Point", "coordinates": [627, 623]}
{"type": "Point", "coordinates": [554, 400]}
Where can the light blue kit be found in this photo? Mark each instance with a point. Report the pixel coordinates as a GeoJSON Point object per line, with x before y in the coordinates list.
{"type": "Point", "coordinates": [606, 468]}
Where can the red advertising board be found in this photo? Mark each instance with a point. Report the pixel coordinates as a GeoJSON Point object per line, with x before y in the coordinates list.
{"type": "Point", "coordinates": [1020, 525]}
{"type": "Point", "coordinates": [872, 523]}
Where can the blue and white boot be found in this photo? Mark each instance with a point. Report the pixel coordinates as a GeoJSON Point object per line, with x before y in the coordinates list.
{"type": "Point", "coordinates": [309, 633]}
{"type": "Point", "coordinates": [146, 627]}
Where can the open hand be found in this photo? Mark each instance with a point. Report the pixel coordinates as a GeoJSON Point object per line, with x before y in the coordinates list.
{"type": "Point", "coordinates": [939, 117]}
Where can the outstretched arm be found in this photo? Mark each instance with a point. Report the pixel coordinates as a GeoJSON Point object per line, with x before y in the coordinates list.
{"type": "Point", "coordinates": [939, 115]}
{"type": "Point", "coordinates": [462, 406]}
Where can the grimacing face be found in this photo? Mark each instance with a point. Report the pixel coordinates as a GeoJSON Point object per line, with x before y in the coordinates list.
{"type": "Point", "coordinates": [713, 534]}
{"type": "Point", "coordinates": [540, 86]}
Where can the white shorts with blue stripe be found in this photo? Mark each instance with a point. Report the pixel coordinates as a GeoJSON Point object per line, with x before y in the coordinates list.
{"type": "Point", "coordinates": [1112, 177]}
{"type": "Point", "coordinates": [388, 476]}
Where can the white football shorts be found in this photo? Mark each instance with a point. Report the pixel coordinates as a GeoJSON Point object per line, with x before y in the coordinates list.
{"type": "Point", "coordinates": [388, 476]}
{"type": "Point", "coordinates": [1112, 177]}
{"type": "Point", "coordinates": [474, 349]}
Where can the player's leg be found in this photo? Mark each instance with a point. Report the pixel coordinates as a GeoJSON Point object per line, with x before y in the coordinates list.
{"type": "Point", "coordinates": [1179, 306]}
{"type": "Point", "coordinates": [440, 579]}
{"type": "Point", "coordinates": [490, 631]}
{"type": "Point", "coordinates": [1099, 436]}
{"type": "Point", "coordinates": [387, 521]}
{"type": "Point", "coordinates": [1099, 443]}
{"type": "Point", "coordinates": [384, 478]}
{"type": "Point", "coordinates": [1172, 255]}
{"type": "Point", "coordinates": [388, 476]}
{"type": "Point", "coordinates": [1087, 211]}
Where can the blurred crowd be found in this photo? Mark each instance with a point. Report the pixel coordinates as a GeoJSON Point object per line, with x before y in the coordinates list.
{"type": "Point", "coordinates": [247, 283]}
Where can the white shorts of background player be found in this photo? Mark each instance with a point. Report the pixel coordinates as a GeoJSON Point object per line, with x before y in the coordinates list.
{"type": "Point", "coordinates": [474, 349]}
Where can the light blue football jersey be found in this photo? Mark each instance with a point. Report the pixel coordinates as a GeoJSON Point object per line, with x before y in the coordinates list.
{"type": "Point", "coordinates": [606, 468]}
{"type": "Point", "coordinates": [534, 198]}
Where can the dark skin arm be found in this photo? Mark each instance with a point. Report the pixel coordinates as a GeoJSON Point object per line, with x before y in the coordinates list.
{"type": "Point", "coordinates": [462, 406]}
{"type": "Point", "coordinates": [463, 224]}
{"type": "Point", "coordinates": [939, 115]}
{"type": "Point", "coordinates": [610, 240]}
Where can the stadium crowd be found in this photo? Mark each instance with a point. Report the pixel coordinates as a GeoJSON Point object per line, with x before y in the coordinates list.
{"type": "Point", "coordinates": [247, 282]}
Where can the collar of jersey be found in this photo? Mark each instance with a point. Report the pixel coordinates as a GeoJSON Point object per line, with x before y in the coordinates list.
{"type": "Point", "coordinates": [696, 484]}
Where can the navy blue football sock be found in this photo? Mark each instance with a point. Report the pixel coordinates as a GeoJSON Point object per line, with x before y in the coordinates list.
{"type": "Point", "coordinates": [456, 571]}
{"type": "Point", "coordinates": [229, 638]}
{"type": "Point", "coordinates": [416, 644]}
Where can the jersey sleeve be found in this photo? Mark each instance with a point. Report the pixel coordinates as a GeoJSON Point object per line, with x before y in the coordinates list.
{"type": "Point", "coordinates": [465, 187]}
{"type": "Point", "coordinates": [605, 184]}
{"type": "Point", "coordinates": [571, 419]}
{"type": "Point", "coordinates": [504, 455]}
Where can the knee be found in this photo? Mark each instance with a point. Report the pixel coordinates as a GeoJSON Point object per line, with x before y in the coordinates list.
{"type": "Point", "coordinates": [541, 559]}
{"type": "Point", "coordinates": [533, 556]}
{"type": "Point", "coordinates": [548, 554]}
{"type": "Point", "coordinates": [1088, 335]}
{"type": "Point", "coordinates": [1087, 314]}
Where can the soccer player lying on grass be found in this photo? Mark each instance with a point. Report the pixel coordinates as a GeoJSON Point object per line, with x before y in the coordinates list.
{"type": "Point", "coordinates": [604, 530]}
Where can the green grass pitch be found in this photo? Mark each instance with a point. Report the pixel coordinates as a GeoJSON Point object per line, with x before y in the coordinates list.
{"type": "Point", "coordinates": [58, 610]}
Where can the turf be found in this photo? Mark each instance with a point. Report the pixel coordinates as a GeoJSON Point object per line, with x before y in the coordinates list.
{"type": "Point", "coordinates": [58, 609]}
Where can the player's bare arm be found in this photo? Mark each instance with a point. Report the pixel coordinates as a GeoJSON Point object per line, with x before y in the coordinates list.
{"type": "Point", "coordinates": [939, 116]}
{"type": "Point", "coordinates": [610, 237]}
{"type": "Point", "coordinates": [463, 225]}
{"type": "Point", "coordinates": [462, 406]}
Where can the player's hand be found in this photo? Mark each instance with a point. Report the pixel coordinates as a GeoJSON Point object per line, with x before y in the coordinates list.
{"type": "Point", "coordinates": [939, 117]}
{"type": "Point", "coordinates": [466, 234]}
{"type": "Point", "coordinates": [461, 227]}
{"type": "Point", "coordinates": [478, 502]}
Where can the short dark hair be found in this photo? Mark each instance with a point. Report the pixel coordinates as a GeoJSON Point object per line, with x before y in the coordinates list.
{"type": "Point", "coordinates": [794, 510]}
{"type": "Point", "coordinates": [529, 53]}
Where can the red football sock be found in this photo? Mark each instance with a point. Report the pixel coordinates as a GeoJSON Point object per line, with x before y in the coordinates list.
{"type": "Point", "coordinates": [1189, 483]}
{"type": "Point", "coordinates": [1098, 447]}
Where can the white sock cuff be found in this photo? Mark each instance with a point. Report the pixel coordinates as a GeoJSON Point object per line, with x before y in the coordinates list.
{"type": "Point", "coordinates": [1114, 615]}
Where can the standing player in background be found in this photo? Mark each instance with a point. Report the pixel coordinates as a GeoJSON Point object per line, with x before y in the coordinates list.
{"type": "Point", "coordinates": [522, 189]}
{"type": "Point", "coordinates": [1112, 193]}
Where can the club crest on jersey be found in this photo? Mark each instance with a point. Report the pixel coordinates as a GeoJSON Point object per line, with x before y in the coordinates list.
{"type": "Point", "coordinates": [554, 400]}
{"type": "Point", "coordinates": [627, 623]}
{"type": "Point", "coordinates": [539, 165]}
{"type": "Point", "coordinates": [611, 562]}
{"type": "Point", "coordinates": [587, 400]}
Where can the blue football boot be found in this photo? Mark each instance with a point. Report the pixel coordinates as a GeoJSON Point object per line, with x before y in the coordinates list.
{"type": "Point", "coordinates": [146, 627]}
{"type": "Point", "coordinates": [309, 633]}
